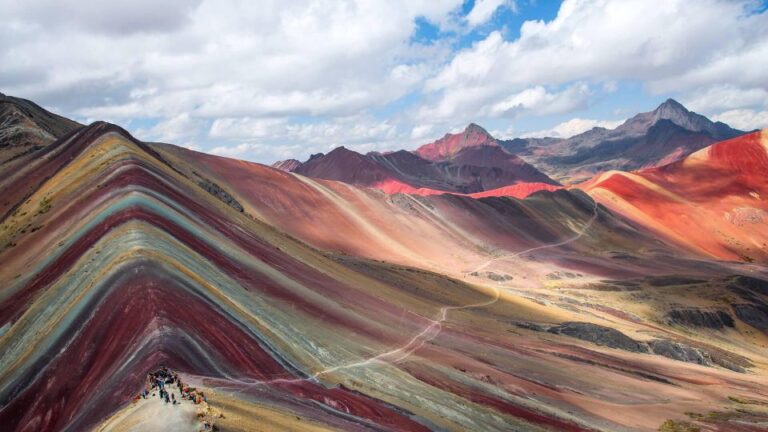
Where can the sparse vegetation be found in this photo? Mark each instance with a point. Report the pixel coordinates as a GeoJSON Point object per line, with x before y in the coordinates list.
{"type": "Point", "coordinates": [44, 206]}
{"type": "Point", "coordinates": [678, 426]}
{"type": "Point", "coordinates": [740, 400]}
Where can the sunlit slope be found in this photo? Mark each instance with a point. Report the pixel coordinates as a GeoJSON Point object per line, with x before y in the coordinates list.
{"type": "Point", "coordinates": [713, 202]}
{"type": "Point", "coordinates": [114, 262]}
{"type": "Point", "coordinates": [447, 233]}
{"type": "Point", "coordinates": [119, 257]}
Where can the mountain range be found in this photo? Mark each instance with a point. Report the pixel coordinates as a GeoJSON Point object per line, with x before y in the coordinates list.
{"type": "Point", "coordinates": [313, 301]}
{"type": "Point", "coordinates": [473, 161]}
{"type": "Point", "coordinates": [471, 169]}
{"type": "Point", "coordinates": [668, 133]}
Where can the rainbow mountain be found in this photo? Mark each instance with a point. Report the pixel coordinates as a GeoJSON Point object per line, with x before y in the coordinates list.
{"type": "Point", "coordinates": [298, 303]}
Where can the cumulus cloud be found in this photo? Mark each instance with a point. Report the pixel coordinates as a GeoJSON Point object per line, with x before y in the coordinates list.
{"type": "Point", "coordinates": [421, 131]}
{"type": "Point", "coordinates": [113, 17]}
{"type": "Point", "coordinates": [483, 10]}
{"type": "Point", "coordinates": [539, 101]}
{"type": "Point", "coordinates": [744, 119]}
{"type": "Point", "coordinates": [269, 77]}
{"type": "Point", "coordinates": [573, 127]}
{"type": "Point", "coordinates": [669, 46]}
{"type": "Point", "coordinates": [180, 129]}
{"type": "Point", "coordinates": [718, 97]}
{"type": "Point", "coordinates": [218, 58]}
{"type": "Point", "coordinates": [258, 137]}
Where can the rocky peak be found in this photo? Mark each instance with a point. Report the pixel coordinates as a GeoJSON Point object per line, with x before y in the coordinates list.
{"type": "Point", "coordinates": [288, 165]}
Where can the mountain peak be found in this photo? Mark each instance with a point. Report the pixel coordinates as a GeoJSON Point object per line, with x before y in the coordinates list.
{"type": "Point", "coordinates": [447, 146]}
{"type": "Point", "coordinates": [475, 128]}
{"type": "Point", "coordinates": [288, 165]}
{"type": "Point", "coordinates": [678, 114]}
{"type": "Point", "coordinates": [671, 103]}
{"type": "Point", "coordinates": [670, 110]}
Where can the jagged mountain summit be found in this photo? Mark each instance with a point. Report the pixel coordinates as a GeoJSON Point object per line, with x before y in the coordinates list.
{"type": "Point", "coordinates": [451, 144]}
{"type": "Point", "coordinates": [468, 163]}
{"type": "Point", "coordinates": [654, 138]}
{"type": "Point", "coordinates": [668, 133]}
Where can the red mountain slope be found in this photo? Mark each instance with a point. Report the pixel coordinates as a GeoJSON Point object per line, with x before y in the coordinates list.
{"type": "Point", "coordinates": [478, 169]}
{"type": "Point", "coordinates": [451, 144]}
{"type": "Point", "coordinates": [713, 201]}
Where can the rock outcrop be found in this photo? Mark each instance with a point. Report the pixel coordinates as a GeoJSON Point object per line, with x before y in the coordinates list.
{"type": "Point", "coordinates": [679, 351]}
{"type": "Point", "coordinates": [754, 315]}
{"type": "Point", "coordinates": [223, 196]}
{"type": "Point", "coordinates": [693, 317]}
{"type": "Point", "coordinates": [599, 335]}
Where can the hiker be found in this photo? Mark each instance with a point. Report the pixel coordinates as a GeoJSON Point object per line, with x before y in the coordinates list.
{"type": "Point", "coordinates": [173, 397]}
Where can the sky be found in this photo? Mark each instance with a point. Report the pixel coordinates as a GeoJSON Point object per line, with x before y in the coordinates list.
{"type": "Point", "coordinates": [268, 80]}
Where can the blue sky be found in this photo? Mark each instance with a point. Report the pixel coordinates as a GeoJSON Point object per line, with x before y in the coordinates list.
{"type": "Point", "coordinates": [270, 80]}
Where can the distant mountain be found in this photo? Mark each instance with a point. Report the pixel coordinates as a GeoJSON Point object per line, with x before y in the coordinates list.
{"type": "Point", "coordinates": [287, 165]}
{"type": "Point", "coordinates": [447, 146]}
{"type": "Point", "coordinates": [347, 309]}
{"type": "Point", "coordinates": [471, 168]}
{"type": "Point", "coordinates": [474, 161]}
{"type": "Point", "coordinates": [26, 127]}
{"type": "Point", "coordinates": [668, 133]}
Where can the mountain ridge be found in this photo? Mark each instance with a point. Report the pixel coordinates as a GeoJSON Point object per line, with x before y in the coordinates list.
{"type": "Point", "coordinates": [563, 159]}
{"type": "Point", "coordinates": [315, 303]}
{"type": "Point", "coordinates": [667, 133]}
{"type": "Point", "coordinates": [474, 169]}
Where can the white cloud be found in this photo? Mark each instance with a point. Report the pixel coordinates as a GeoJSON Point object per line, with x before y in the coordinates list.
{"type": "Point", "coordinates": [505, 134]}
{"type": "Point", "coordinates": [744, 119]}
{"type": "Point", "coordinates": [236, 150]}
{"type": "Point", "coordinates": [272, 138]}
{"type": "Point", "coordinates": [270, 77]}
{"type": "Point", "coordinates": [539, 101]}
{"type": "Point", "coordinates": [483, 10]}
{"type": "Point", "coordinates": [668, 46]}
{"type": "Point", "coordinates": [573, 127]}
{"type": "Point", "coordinates": [179, 129]}
{"type": "Point", "coordinates": [725, 96]}
{"type": "Point", "coordinates": [244, 128]}
{"type": "Point", "coordinates": [227, 58]}
{"type": "Point", "coordinates": [421, 131]}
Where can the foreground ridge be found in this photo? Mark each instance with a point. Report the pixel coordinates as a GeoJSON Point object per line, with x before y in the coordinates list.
{"type": "Point", "coordinates": [308, 303]}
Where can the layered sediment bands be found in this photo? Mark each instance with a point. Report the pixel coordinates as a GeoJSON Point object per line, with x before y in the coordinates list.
{"type": "Point", "coordinates": [448, 233]}
{"type": "Point", "coordinates": [135, 265]}
{"type": "Point", "coordinates": [116, 260]}
{"type": "Point", "coordinates": [713, 202]}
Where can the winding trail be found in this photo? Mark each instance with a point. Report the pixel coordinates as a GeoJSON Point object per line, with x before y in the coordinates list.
{"type": "Point", "coordinates": [430, 332]}
{"type": "Point", "coordinates": [578, 235]}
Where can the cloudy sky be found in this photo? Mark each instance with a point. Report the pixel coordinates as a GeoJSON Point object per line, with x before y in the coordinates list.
{"type": "Point", "coordinates": [265, 80]}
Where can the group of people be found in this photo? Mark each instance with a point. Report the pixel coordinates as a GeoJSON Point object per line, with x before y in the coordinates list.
{"type": "Point", "coordinates": [158, 383]}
